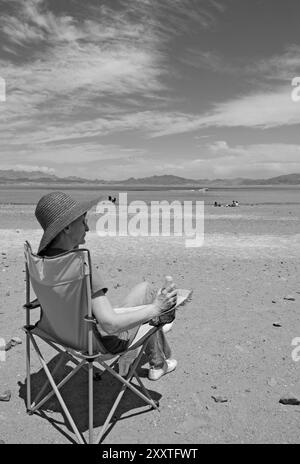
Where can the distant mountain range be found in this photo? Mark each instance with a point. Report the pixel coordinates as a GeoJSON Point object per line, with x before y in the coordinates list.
{"type": "Point", "coordinates": [16, 177]}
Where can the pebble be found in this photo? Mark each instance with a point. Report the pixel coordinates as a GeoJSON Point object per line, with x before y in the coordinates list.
{"type": "Point", "coordinates": [276, 324]}
{"type": "Point", "coordinates": [289, 298]}
{"type": "Point", "coordinates": [5, 396]}
{"type": "Point", "coordinates": [13, 342]}
{"type": "Point", "coordinates": [220, 399]}
{"type": "Point", "coordinates": [292, 400]}
{"type": "Point", "coordinates": [8, 345]}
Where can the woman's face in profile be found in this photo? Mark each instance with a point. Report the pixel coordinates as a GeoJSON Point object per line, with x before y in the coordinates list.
{"type": "Point", "coordinates": [79, 228]}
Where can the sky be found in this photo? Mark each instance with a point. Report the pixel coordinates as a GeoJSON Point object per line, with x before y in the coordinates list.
{"type": "Point", "coordinates": [114, 89]}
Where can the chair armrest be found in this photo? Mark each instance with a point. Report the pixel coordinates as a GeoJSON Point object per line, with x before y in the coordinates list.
{"type": "Point", "coordinates": [32, 305]}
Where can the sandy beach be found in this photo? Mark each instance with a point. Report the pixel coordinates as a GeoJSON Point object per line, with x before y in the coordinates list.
{"type": "Point", "coordinates": [232, 341]}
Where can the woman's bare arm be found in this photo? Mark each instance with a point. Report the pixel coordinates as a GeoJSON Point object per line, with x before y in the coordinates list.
{"type": "Point", "coordinates": [112, 321]}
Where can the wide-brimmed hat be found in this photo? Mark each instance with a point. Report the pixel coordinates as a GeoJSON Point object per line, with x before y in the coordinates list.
{"type": "Point", "coordinates": [55, 211]}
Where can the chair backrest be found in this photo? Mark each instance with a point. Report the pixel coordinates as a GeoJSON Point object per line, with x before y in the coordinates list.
{"type": "Point", "coordinates": [62, 286]}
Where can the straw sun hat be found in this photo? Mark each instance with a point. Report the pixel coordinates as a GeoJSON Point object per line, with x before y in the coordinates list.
{"type": "Point", "coordinates": [57, 210]}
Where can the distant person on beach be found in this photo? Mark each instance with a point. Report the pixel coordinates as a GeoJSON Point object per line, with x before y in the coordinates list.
{"type": "Point", "coordinates": [233, 204]}
{"type": "Point", "coordinates": [112, 199]}
{"type": "Point", "coordinates": [65, 225]}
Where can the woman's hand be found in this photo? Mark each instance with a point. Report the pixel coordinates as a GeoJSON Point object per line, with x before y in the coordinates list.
{"type": "Point", "coordinates": [166, 299]}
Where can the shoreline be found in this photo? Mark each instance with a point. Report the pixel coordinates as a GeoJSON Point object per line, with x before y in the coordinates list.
{"type": "Point", "coordinates": [146, 187]}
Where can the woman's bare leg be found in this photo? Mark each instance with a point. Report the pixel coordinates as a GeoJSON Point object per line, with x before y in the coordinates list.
{"type": "Point", "coordinates": [157, 349]}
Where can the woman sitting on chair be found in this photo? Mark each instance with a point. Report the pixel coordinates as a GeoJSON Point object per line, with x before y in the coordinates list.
{"type": "Point", "coordinates": [65, 225]}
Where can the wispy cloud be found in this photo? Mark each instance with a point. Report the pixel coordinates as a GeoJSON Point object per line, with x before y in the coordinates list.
{"type": "Point", "coordinates": [176, 16]}
{"type": "Point", "coordinates": [219, 159]}
{"type": "Point", "coordinates": [89, 59]}
{"type": "Point", "coordinates": [28, 168]}
{"type": "Point", "coordinates": [261, 110]}
{"type": "Point", "coordinates": [79, 64]}
{"type": "Point", "coordinates": [97, 85]}
{"type": "Point", "coordinates": [73, 73]}
{"type": "Point", "coordinates": [278, 68]}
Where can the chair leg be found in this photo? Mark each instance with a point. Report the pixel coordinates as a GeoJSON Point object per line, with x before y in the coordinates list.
{"type": "Point", "coordinates": [28, 389]}
{"type": "Point", "coordinates": [41, 392]}
{"type": "Point", "coordinates": [91, 406]}
{"type": "Point", "coordinates": [126, 384]}
{"type": "Point", "coordinates": [145, 391]}
{"type": "Point", "coordinates": [132, 372]}
{"type": "Point", "coordinates": [59, 397]}
{"type": "Point", "coordinates": [106, 423]}
{"type": "Point", "coordinates": [60, 385]}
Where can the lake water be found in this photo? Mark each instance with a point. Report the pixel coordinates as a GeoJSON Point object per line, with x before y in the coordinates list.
{"type": "Point", "coordinates": [245, 196]}
{"type": "Point", "coordinates": [262, 211]}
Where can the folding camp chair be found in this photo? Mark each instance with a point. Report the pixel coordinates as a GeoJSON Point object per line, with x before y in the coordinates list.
{"type": "Point", "coordinates": [62, 286]}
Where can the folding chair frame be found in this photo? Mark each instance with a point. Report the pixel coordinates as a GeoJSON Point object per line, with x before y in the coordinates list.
{"type": "Point", "coordinates": [87, 360]}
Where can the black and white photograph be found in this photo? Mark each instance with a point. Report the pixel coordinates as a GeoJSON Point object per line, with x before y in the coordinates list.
{"type": "Point", "coordinates": [149, 224]}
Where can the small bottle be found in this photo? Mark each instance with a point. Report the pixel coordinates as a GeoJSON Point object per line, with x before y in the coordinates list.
{"type": "Point", "coordinates": [168, 282]}
{"type": "Point", "coordinates": [169, 315]}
